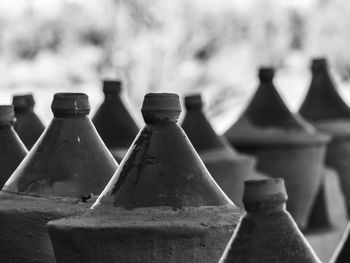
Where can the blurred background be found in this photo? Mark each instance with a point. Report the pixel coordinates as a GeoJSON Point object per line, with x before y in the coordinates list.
{"type": "Point", "coordinates": [182, 46]}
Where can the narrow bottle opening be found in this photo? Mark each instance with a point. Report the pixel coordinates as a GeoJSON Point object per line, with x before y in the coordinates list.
{"type": "Point", "coordinates": [160, 107]}
{"type": "Point", "coordinates": [70, 104]}
{"type": "Point", "coordinates": [193, 101]}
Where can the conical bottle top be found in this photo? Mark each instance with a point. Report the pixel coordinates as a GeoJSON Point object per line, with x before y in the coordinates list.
{"type": "Point", "coordinates": [160, 107]}
{"type": "Point", "coordinates": [323, 102]}
{"type": "Point", "coordinates": [70, 104]}
{"type": "Point", "coordinates": [112, 86]}
{"type": "Point", "coordinates": [69, 159]}
{"type": "Point", "coordinates": [7, 114]}
{"type": "Point", "coordinates": [193, 101]}
{"type": "Point", "coordinates": [267, 119]}
{"type": "Point", "coordinates": [161, 167]}
{"type": "Point", "coordinates": [266, 74]}
{"type": "Point", "coordinates": [199, 130]}
{"type": "Point", "coordinates": [23, 102]}
{"type": "Point", "coordinates": [264, 194]}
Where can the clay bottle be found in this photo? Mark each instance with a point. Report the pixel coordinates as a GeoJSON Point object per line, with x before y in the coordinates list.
{"type": "Point", "coordinates": [162, 167]}
{"type": "Point", "coordinates": [60, 177]}
{"type": "Point", "coordinates": [280, 139]}
{"type": "Point", "coordinates": [267, 232]}
{"type": "Point", "coordinates": [28, 125]}
{"type": "Point", "coordinates": [323, 101]}
{"type": "Point", "coordinates": [114, 122]}
{"type": "Point", "coordinates": [328, 112]}
{"type": "Point", "coordinates": [12, 149]}
{"type": "Point", "coordinates": [229, 168]}
{"type": "Point", "coordinates": [70, 158]}
{"type": "Point", "coordinates": [162, 203]}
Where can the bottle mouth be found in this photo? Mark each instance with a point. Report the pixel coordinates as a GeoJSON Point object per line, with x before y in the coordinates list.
{"type": "Point", "coordinates": [265, 193]}
{"type": "Point", "coordinates": [193, 101]}
{"type": "Point", "coordinates": [266, 74]}
{"type": "Point", "coordinates": [160, 107]}
{"type": "Point", "coordinates": [70, 104]}
{"type": "Point", "coordinates": [25, 101]}
{"type": "Point", "coordinates": [7, 114]}
{"type": "Point", "coordinates": [112, 86]}
{"type": "Point", "coordinates": [318, 63]}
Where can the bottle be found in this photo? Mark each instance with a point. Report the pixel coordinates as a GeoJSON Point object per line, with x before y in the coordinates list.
{"type": "Point", "coordinates": [60, 176]}
{"type": "Point", "coordinates": [267, 232]}
{"type": "Point", "coordinates": [113, 120]}
{"type": "Point", "coordinates": [228, 168]}
{"type": "Point", "coordinates": [28, 126]}
{"type": "Point", "coordinates": [12, 149]}
{"type": "Point", "coordinates": [324, 107]}
{"type": "Point", "coordinates": [285, 145]}
{"type": "Point", "coordinates": [162, 203]}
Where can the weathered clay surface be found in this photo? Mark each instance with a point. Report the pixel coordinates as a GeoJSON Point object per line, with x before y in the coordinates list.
{"type": "Point", "coordinates": [28, 125]}
{"type": "Point", "coordinates": [161, 205]}
{"type": "Point", "coordinates": [228, 168]}
{"type": "Point", "coordinates": [284, 143]}
{"type": "Point", "coordinates": [267, 233]}
{"type": "Point", "coordinates": [24, 237]}
{"type": "Point", "coordinates": [68, 165]}
{"type": "Point", "coordinates": [162, 168]}
{"type": "Point", "coordinates": [145, 235]}
{"type": "Point", "coordinates": [12, 149]}
{"type": "Point", "coordinates": [70, 159]}
{"type": "Point", "coordinates": [113, 120]}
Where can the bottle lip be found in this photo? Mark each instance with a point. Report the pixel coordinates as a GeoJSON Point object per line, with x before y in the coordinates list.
{"type": "Point", "coordinates": [72, 104]}
{"type": "Point", "coordinates": [319, 63]}
{"type": "Point", "coordinates": [193, 101]}
{"type": "Point", "coordinates": [158, 107]}
{"type": "Point", "coordinates": [266, 73]}
{"type": "Point", "coordinates": [112, 86]}
{"type": "Point", "coordinates": [265, 190]}
{"type": "Point", "coordinates": [23, 101]}
{"type": "Point", "coordinates": [7, 114]}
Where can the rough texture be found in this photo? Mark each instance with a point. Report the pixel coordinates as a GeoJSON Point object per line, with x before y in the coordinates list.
{"type": "Point", "coordinates": [70, 158]}
{"type": "Point", "coordinates": [267, 232]}
{"type": "Point", "coordinates": [270, 238]}
{"type": "Point", "coordinates": [23, 219]}
{"type": "Point", "coordinates": [145, 235]}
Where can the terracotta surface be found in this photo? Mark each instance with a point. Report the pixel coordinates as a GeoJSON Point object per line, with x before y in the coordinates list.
{"type": "Point", "coordinates": [267, 232]}
{"type": "Point", "coordinates": [113, 120]}
{"type": "Point", "coordinates": [284, 143]}
{"type": "Point", "coordinates": [69, 163]}
{"type": "Point", "coordinates": [28, 125]}
{"type": "Point", "coordinates": [162, 203]}
{"type": "Point", "coordinates": [12, 149]}
{"type": "Point", "coordinates": [329, 113]}
{"type": "Point", "coordinates": [229, 168]}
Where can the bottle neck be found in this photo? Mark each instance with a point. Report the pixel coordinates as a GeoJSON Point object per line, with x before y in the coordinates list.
{"type": "Point", "coordinates": [267, 207]}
